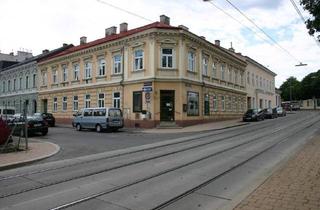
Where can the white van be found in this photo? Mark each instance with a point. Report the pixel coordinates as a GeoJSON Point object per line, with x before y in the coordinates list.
{"type": "Point", "coordinates": [98, 119]}
{"type": "Point", "coordinates": [7, 112]}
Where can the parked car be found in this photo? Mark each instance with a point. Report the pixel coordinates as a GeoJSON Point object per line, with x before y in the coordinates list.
{"type": "Point", "coordinates": [98, 119]}
{"type": "Point", "coordinates": [36, 124]}
{"type": "Point", "coordinates": [47, 117]}
{"type": "Point", "coordinates": [253, 115]}
{"type": "Point", "coordinates": [275, 112]}
{"type": "Point", "coordinates": [269, 113]}
{"type": "Point", "coordinates": [7, 112]}
{"type": "Point", "coordinates": [281, 112]}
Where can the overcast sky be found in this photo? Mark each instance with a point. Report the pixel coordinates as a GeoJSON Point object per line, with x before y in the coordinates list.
{"type": "Point", "coordinates": [46, 24]}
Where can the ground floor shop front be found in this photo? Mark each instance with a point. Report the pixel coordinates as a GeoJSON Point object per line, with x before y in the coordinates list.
{"type": "Point", "coordinates": [21, 102]}
{"type": "Point", "coordinates": [149, 104]}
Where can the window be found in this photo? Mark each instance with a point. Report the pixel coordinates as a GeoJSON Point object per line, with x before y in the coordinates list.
{"type": "Point", "coordinates": [27, 82]}
{"type": "Point", "coordinates": [222, 71]}
{"type": "Point", "coordinates": [76, 70]}
{"type": "Point", "coordinates": [137, 101]}
{"type": "Point", "coordinates": [236, 77]}
{"type": "Point", "coordinates": [215, 103]}
{"type": "Point", "coordinates": [64, 73]}
{"type": "Point", "coordinates": [191, 61]}
{"type": "Point", "coordinates": [116, 99]}
{"type": "Point", "coordinates": [75, 103]}
{"type": "Point", "coordinates": [193, 104]}
{"type": "Point", "coordinates": [252, 79]}
{"type": "Point", "coordinates": [228, 100]}
{"type": "Point", "coordinates": [15, 84]}
{"type": "Point", "coordinates": [64, 103]}
{"type": "Point", "coordinates": [87, 70]}
{"type": "Point", "coordinates": [206, 105]}
{"type": "Point", "coordinates": [4, 86]}
{"type": "Point", "coordinates": [54, 76]}
{"type": "Point", "coordinates": [241, 78]}
{"type": "Point", "coordinates": [248, 78]}
{"type": "Point", "coordinates": [44, 78]}
{"type": "Point", "coordinates": [101, 100]}
{"type": "Point", "coordinates": [34, 78]}
{"type": "Point", "coordinates": [101, 67]}
{"type": "Point", "coordinates": [117, 64]}
{"type": "Point", "coordinates": [87, 101]}
{"type": "Point", "coordinates": [214, 70]}
{"type": "Point", "coordinates": [230, 74]}
{"type": "Point", "coordinates": [260, 82]}
{"type": "Point", "coordinates": [257, 81]}
{"type": "Point", "coordinates": [223, 104]}
{"type": "Point", "coordinates": [167, 58]}
{"type": "Point", "coordinates": [55, 104]}
{"type": "Point", "coordinates": [205, 66]}
{"type": "Point", "coordinates": [138, 60]}
{"type": "Point", "coordinates": [9, 85]}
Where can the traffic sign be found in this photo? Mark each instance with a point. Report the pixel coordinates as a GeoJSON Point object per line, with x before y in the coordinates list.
{"type": "Point", "coordinates": [147, 89]}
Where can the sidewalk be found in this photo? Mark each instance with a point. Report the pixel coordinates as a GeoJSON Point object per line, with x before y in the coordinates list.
{"type": "Point", "coordinates": [294, 187]}
{"type": "Point", "coordinates": [37, 150]}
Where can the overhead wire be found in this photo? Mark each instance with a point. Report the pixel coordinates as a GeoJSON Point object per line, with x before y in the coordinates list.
{"type": "Point", "coordinates": [260, 29]}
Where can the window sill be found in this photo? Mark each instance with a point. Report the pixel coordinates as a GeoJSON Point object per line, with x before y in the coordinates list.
{"type": "Point", "coordinates": [192, 72]}
{"type": "Point", "coordinates": [65, 82]}
{"type": "Point", "coordinates": [87, 79]}
{"type": "Point", "coordinates": [42, 86]}
{"type": "Point", "coordinates": [206, 76]}
{"type": "Point", "coordinates": [138, 70]}
{"type": "Point", "coordinates": [167, 69]}
{"type": "Point", "coordinates": [101, 76]}
{"type": "Point", "coordinates": [75, 81]}
{"type": "Point", "coordinates": [115, 75]}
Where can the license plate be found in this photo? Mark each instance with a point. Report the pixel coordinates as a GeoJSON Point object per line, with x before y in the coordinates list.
{"type": "Point", "coordinates": [37, 125]}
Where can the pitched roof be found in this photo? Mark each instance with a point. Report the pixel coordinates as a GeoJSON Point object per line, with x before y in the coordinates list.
{"type": "Point", "coordinates": [111, 38]}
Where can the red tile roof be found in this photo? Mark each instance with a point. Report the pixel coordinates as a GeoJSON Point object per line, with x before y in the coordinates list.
{"type": "Point", "coordinates": [111, 38]}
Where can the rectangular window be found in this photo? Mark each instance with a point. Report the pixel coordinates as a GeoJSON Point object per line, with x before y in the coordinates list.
{"type": "Point", "coordinates": [236, 77]}
{"type": "Point", "coordinates": [214, 70]}
{"type": "Point", "coordinates": [230, 74]}
{"type": "Point", "coordinates": [222, 71]}
{"type": "Point", "coordinates": [76, 70]}
{"type": "Point", "coordinates": [248, 78]}
{"type": "Point", "coordinates": [64, 103]}
{"type": "Point", "coordinates": [101, 100]}
{"type": "Point", "coordinates": [137, 101]}
{"type": "Point", "coordinates": [34, 79]}
{"type": "Point", "coordinates": [205, 66]}
{"type": "Point", "coordinates": [257, 81]}
{"type": "Point", "coordinates": [117, 64]}
{"type": "Point", "coordinates": [55, 104]}
{"type": "Point", "coordinates": [206, 105]}
{"type": "Point", "coordinates": [9, 85]}
{"type": "Point", "coordinates": [75, 103]}
{"type": "Point", "coordinates": [167, 58]}
{"type": "Point", "coordinates": [43, 76]}
{"type": "Point", "coordinates": [101, 67]}
{"type": "Point", "coordinates": [54, 76]}
{"type": "Point", "coordinates": [252, 79]}
{"type": "Point", "coordinates": [138, 60]}
{"type": "Point", "coordinates": [116, 99]}
{"type": "Point", "coordinates": [241, 78]}
{"type": "Point", "coordinates": [27, 82]}
{"type": "Point", "coordinates": [87, 70]}
{"type": "Point", "coordinates": [87, 101]}
{"type": "Point", "coordinates": [223, 104]}
{"type": "Point", "coordinates": [191, 61]}
{"type": "Point", "coordinates": [64, 73]}
{"type": "Point", "coordinates": [215, 103]}
{"type": "Point", "coordinates": [15, 84]}
{"type": "Point", "coordinates": [193, 104]}
{"type": "Point", "coordinates": [4, 86]}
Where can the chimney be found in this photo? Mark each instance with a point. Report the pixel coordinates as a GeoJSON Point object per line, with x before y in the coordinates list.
{"type": "Point", "coordinates": [164, 19]}
{"type": "Point", "coordinates": [64, 44]}
{"type": "Point", "coordinates": [110, 31]}
{"type": "Point", "coordinates": [123, 27]}
{"type": "Point", "coordinates": [83, 40]}
{"type": "Point", "coordinates": [183, 27]}
{"type": "Point", "coordinates": [202, 37]}
{"type": "Point", "coordinates": [217, 42]}
{"type": "Point", "coordinates": [45, 51]}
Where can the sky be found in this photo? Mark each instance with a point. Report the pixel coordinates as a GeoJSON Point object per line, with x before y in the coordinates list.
{"type": "Point", "coordinates": [35, 25]}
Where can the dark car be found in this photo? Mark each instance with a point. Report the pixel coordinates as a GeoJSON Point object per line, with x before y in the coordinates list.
{"type": "Point", "coordinates": [36, 124]}
{"type": "Point", "coordinates": [253, 115]}
{"type": "Point", "coordinates": [47, 117]}
{"type": "Point", "coordinates": [269, 113]}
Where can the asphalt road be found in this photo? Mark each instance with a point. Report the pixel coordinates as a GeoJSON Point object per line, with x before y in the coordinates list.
{"type": "Point", "coordinates": [211, 170]}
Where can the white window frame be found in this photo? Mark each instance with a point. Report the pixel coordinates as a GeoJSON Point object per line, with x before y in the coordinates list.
{"type": "Point", "coordinates": [54, 76]}
{"type": "Point", "coordinates": [9, 85]}
{"type": "Point", "coordinates": [34, 79]}
{"type": "Point", "coordinates": [44, 77]}
{"type": "Point", "coordinates": [222, 68]}
{"type": "Point", "coordinates": [76, 72]}
{"type": "Point", "coordinates": [101, 67]}
{"type": "Point", "coordinates": [101, 100]}
{"type": "Point", "coordinates": [87, 101]}
{"type": "Point", "coordinates": [87, 70]}
{"type": "Point", "coordinates": [116, 101]}
{"type": "Point", "coordinates": [167, 58]}
{"type": "Point", "coordinates": [215, 103]}
{"type": "Point", "coordinates": [14, 84]}
{"type": "Point", "coordinates": [75, 103]}
{"type": "Point", "coordinates": [205, 61]}
{"type": "Point", "coordinates": [64, 103]}
{"type": "Point", "coordinates": [64, 73]}
{"type": "Point", "coordinates": [138, 61]}
{"type": "Point", "coordinates": [55, 104]}
{"type": "Point", "coordinates": [117, 64]}
{"type": "Point", "coordinates": [27, 82]}
{"type": "Point", "coordinates": [223, 103]}
{"type": "Point", "coordinates": [214, 70]}
{"type": "Point", "coordinates": [191, 61]}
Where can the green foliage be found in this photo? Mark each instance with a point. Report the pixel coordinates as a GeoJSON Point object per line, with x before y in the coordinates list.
{"type": "Point", "coordinates": [295, 86]}
{"type": "Point", "coordinates": [313, 23]}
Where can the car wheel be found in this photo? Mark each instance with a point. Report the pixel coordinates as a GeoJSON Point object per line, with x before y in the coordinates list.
{"type": "Point", "coordinates": [44, 133]}
{"type": "Point", "coordinates": [98, 128]}
{"type": "Point", "coordinates": [78, 127]}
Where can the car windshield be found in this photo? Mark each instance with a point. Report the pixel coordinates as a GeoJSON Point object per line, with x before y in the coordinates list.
{"type": "Point", "coordinates": [251, 111]}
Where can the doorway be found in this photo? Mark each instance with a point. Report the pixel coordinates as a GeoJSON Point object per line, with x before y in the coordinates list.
{"type": "Point", "coordinates": [45, 105]}
{"type": "Point", "coordinates": [167, 108]}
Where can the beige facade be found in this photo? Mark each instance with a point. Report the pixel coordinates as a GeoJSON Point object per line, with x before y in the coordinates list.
{"type": "Point", "coordinates": [156, 73]}
{"type": "Point", "coordinates": [260, 85]}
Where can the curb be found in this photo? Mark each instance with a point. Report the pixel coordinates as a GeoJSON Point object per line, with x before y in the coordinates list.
{"type": "Point", "coordinates": [25, 162]}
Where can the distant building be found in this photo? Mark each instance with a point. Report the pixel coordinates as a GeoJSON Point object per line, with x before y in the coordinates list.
{"type": "Point", "coordinates": [278, 97]}
{"type": "Point", "coordinates": [313, 103]}
{"type": "Point", "coordinates": [20, 56]}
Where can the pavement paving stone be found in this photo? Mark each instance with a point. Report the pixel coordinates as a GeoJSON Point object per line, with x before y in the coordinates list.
{"type": "Point", "coordinates": [296, 186]}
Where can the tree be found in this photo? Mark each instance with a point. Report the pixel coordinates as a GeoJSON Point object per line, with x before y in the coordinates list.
{"type": "Point", "coordinates": [310, 85]}
{"type": "Point", "coordinates": [313, 23]}
{"type": "Point", "coordinates": [295, 89]}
